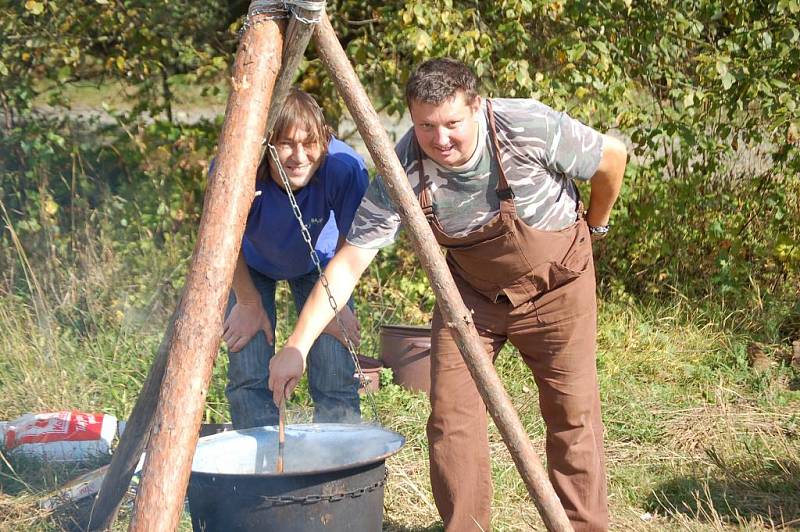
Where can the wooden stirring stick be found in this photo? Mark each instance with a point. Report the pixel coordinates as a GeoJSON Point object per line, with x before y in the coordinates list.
{"type": "Point", "coordinates": [281, 434]}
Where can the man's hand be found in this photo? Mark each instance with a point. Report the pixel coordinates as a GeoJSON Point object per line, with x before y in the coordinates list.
{"type": "Point", "coordinates": [351, 327]}
{"type": "Point", "coordinates": [285, 370]}
{"type": "Point", "coordinates": [243, 322]}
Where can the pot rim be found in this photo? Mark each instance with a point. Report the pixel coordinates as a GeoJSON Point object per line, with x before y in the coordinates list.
{"type": "Point", "coordinates": [308, 427]}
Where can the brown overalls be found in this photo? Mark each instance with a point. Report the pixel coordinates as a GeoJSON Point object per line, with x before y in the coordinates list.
{"type": "Point", "coordinates": [535, 289]}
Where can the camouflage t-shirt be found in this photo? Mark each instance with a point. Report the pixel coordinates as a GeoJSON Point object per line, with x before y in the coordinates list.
{"type": "Point", "coordinates": [542, 150]}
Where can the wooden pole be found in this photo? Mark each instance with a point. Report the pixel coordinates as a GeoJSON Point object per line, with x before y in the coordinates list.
{"type": "Point", "coordinates": [297, 36]}
{"type": "Point", "coordinates": [133, 440]}
{"type": "Point", "coordinates": [455, 313]}
{"type": "Point", "coordinates": [198, 324]}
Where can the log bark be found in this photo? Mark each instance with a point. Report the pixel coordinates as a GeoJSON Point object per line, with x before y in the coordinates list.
{"type": "Point", "coordinates": [198, 324]}
{"type": "Point", "coordinates": [454, 311]}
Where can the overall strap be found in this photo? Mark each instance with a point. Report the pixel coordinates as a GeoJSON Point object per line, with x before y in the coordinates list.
{"type": "Point", "coordinates": [503, 191]}
{"type": "Point", "coordinates": [424, 196]}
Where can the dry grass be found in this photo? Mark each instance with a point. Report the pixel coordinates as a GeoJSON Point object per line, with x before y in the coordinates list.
{"type": "Point", "coordinates": [718, 448]}
{"type": "Point", "coordinates": [20, 513]}
{"type": "Point", "coordinates": [720, 467]}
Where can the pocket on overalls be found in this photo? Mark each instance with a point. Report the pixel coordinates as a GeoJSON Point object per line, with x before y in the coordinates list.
{"type": "Point", "coordinates": [579, 254]}
{"type": "Point", "coordinates": [576, 260]}
{"type": "Point", "coordinates": [488, 261]}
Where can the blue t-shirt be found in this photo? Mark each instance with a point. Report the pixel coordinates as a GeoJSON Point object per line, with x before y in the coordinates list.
{"type": "Point", "coordinates": [273, 243]}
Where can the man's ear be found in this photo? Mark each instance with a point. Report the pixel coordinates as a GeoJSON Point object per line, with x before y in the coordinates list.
{"type": "Point", "coordinates": [475, 104]}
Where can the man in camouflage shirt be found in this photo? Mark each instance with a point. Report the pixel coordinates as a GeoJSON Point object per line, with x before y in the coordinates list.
{"type": "Point", "coordinates": [546, 150]}
{"type": "Point", "coordinates": [495, 180]}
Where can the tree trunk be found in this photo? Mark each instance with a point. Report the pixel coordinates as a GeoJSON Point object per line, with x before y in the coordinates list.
{"type": "Point", "coordinates": [133, 440]}
{"type": "Point", "coordinates": [297, 34]}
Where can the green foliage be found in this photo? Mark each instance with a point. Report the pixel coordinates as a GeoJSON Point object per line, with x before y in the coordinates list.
{"type": "Point", "coordinates": [386, 377]}
{"type": "Point", "coordinates": [707, 93]}
{"type": "Point", "coordinates": [716, 179]}
{"type": "Point", "coordinates": [141, 42]}
{"type": "Point", "coordinates": [134, 183]}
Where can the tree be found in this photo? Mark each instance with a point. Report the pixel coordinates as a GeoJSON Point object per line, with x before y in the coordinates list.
{"type": "Point", "coordinates": [706, 91]}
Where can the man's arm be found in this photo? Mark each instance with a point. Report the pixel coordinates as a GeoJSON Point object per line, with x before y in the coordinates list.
{"type": "Point", "coordinates": [347, 318]}
{"type": "Point", "coordinates": [248, 316]}
{"type": "Point", "coordinates": [606, 181]}
{"type": "Point", "coordinates": [342, 273]}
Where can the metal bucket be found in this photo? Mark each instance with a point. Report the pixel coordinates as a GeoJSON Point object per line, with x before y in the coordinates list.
{"type": "Point", "coordinates": [406, 349]}
{"type": "Point", "coordinates": [333, 479]}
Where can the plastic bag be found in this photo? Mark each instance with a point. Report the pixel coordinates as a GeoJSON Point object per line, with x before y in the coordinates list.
{"type": "Point", "coordinates": [60, 436]}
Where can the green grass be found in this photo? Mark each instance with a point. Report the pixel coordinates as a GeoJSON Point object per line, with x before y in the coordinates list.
{"type": "Point", "coordinates": [187, 98]}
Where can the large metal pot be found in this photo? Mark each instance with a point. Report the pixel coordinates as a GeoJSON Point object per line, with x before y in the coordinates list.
{"type": "Point", "coordinates": [333, 479]}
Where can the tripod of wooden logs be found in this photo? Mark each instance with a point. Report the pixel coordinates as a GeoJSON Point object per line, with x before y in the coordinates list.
{"type": "Point", "coordinates": [168, 412]}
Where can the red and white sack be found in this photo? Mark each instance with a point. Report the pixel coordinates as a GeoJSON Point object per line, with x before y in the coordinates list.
{"type": "Point", "coordinates": [61, 436]}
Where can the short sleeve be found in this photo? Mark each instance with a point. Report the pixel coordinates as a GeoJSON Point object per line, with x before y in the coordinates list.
{"type": "Point", "coordinates": [352, 180]}
{"type": "Point", "coordinates": [573, 149]}
{"type": "Point", "coordinates": [376, 224]}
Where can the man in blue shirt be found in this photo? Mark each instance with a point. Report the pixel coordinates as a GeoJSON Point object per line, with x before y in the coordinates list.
{"type": "Point", "coordinates": [328, 180]}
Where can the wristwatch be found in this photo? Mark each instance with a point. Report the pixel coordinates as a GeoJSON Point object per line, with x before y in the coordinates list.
{"type": "Point", "coordinates": [598, 231]}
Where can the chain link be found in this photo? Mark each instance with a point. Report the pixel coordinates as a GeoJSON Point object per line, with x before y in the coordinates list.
{"type": "Point", "coordinates": [283, 500]}
{"type": "Point", "coordinates": [263, 10]}
{"type": "Point", "coordinates": [324, 280]}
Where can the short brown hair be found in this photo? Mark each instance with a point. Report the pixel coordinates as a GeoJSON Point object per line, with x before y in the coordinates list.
{"type": "Point", "coordinates": [438, 80]}
{"type": "Point", "coordinates": [300, 109]}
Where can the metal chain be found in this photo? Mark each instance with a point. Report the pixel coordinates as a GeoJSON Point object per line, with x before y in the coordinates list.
{"type": "Point", "coordinates": [317, 7]}
{"type": "Point", "coordinates": [324, 280]}
{"type": "Point", "coordinates": [263, 10]}
{"type": "Point", "coordinates": [283, 500]}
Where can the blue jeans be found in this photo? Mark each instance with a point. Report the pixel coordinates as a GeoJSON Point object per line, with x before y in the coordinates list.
{"type": "Point", "coordinates": [331, 369]}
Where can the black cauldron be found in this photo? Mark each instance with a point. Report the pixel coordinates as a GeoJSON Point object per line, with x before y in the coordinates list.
{"type": "Point", "coordinates": [333, 479]}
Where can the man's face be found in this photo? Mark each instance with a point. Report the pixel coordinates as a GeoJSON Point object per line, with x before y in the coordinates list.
{"type": "Point", "coordinates": [448, 132]}
{"type": "Point", "coordinates": [299, 155]}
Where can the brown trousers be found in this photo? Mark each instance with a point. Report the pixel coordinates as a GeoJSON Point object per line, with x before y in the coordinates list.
{"type": "Point", "coordinates": [555, 334]}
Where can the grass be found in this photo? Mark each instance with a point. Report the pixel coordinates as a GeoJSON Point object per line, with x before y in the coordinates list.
{"type": "Point", "coordinates": [696, 438]}
{"type": "Point", "coordinates": [189, 100]}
